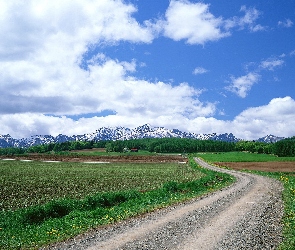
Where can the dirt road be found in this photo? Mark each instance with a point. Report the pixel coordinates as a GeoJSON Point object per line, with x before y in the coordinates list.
{"type": "Point", "coordinates": [245, 215]}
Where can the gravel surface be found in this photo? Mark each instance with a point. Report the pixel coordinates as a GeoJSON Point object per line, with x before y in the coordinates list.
{"type": "Point", "coordinates": [246, 215]}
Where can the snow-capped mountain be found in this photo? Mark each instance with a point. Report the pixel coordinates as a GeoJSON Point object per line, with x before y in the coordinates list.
{"type": "Point", "coordinates": [122, 133]}
{"type": "Point", "coordinates": [270, 139]}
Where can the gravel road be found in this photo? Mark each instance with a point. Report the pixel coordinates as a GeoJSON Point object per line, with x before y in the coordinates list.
{"type": "Point", "coordinates": [245, 215]}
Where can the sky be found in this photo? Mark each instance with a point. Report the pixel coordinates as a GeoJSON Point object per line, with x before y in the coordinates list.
{"type": "Point", "coordinates": [73, 66]}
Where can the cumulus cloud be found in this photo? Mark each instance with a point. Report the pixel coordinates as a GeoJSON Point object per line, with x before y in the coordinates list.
{"type": "Point", "coordinates": [42, 45]}
{"type": "Point", "coordinates": [195, 23]}
{"type": "Point", "coordinates": [192, 22]}
{"type": "Point", "coordinates": [41, 71]}
{"type": "Point", "coordinates": [243, 84]}
{"type": "Point", "coordinates": [27, 27]}
{"type": "Point", "coordinates": [42, 48]}
{"type": "Point", "coordinates": [277, 117]}
{"type": "Point", "coordinates": [41, 53]}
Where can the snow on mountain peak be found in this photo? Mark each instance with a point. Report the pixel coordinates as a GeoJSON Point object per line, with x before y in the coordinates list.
{"type": "Point", "coordinates": [122, 133]}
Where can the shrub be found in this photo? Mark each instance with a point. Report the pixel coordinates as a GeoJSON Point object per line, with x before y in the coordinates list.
{"type": "Point", "coordinates": [171, 186]}
{"type": "Point", "coordinates": [53, 209]}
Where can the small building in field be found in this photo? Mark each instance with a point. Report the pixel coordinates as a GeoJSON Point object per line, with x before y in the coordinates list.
{"type": "Point", "coordinates": [134, 150]}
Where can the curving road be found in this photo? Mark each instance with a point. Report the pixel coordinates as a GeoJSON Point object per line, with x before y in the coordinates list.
{"type": "Point", "coordinates": [245, 215]}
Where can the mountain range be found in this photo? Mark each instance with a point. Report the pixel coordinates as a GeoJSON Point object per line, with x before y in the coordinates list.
{"type": "Point", "coordinates": [122, 133]}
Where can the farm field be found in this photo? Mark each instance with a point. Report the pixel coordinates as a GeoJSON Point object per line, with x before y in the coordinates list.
{"type": "Point", "coordinates": [25, 184]}
{"type": "Point", "coordinates": [92, 156]}
{"type": "Point", "coordinates": [243, 157]}
{"type": "Point", "coordinates": [45, 202]}
{"type": "Point", "coordinates": [250, 161]}
{"type": "Point", "coordinates": [280, 166]}
{"type": "Point", "coordinates": [102, 151]}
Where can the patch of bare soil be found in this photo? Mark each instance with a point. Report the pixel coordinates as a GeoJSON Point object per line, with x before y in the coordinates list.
{"type": "Point", "coordinates": [121, 158]}
{"type": "Point", "coordinates": [90, 150]}
{"type": "Point", "coordinates": [287, 166]}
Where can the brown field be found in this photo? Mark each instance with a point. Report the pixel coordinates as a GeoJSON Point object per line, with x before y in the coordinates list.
{"type": "Point", "coordinates": [104, 158]}
{"type": "Point", "coordinates": [89, 150]}
{"type": "Point", "coordinates": [260, 166]}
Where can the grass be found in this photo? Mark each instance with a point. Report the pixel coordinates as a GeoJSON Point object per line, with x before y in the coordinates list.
{"type": "Point", "coordinates": [50, 202]}
{"type": "Point", "coordinates": [287, 179]}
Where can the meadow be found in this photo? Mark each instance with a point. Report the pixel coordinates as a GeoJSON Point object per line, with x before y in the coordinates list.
{"type": "Point", "coordinates": [46, 202]}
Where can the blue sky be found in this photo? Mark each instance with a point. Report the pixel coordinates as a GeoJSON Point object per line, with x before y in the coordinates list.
{"type": "Point", "coordinates": [74, 66]}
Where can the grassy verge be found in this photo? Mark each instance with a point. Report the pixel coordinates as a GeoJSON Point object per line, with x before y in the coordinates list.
{"type": "Point", "coordinates": [65, 216]}
{"type": "Point", "coordinates": [287, 179]}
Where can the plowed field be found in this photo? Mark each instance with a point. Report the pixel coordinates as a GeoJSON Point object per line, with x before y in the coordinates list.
{"type": "Point", "coordinates": [260, 166]}
{"type": "Point", "coordinates": [104, 158]}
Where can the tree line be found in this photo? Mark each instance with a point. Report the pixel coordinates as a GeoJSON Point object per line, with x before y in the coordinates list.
{"type": "Point", "coordinates": [281, 148]}
{"type": "Point", "coordinates": [171, 145]}
{"type": "Point", "coordinates": [54, 147]}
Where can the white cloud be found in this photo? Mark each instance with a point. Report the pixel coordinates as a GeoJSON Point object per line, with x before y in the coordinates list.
{"type": "Point", "coordinates": [246, 21]}
{"type": "Point", "coordinates": [199, 70]}
{"type": "Point", "coordinates": [26, 26]}
{"type": "Point", "coordinates": [271, 63]}
{"type": "Point", "coordinates": [257, 27]}
{"type": "Point", "coordinates": [287, 23]}
{"type": "Point", "coordinates": [251, 15]}
{"type": "Point", "coordinates": [277, 118]}
{"type": "Point", "coordinates": [40, 73]}
{"type": "Point", "coordinates": [192, 22]}
{"type": "Point", "coordinates": [44, 43]}
{"type": "Point", "coordinates": [106, 85]}
{"type": "Point", "coordinates": [243, 84]}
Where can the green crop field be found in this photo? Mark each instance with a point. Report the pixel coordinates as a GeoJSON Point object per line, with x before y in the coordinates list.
{"type": "Point", "coordinates": [46, 202]}
{"type": "Point", "coordinates": [24, 184]}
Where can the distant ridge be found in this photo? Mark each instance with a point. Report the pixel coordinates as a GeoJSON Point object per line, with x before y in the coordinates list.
{"type": "Point", "coordinates": [122, 133]}
{"type": "Point", "coordinates": [270, 139]}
